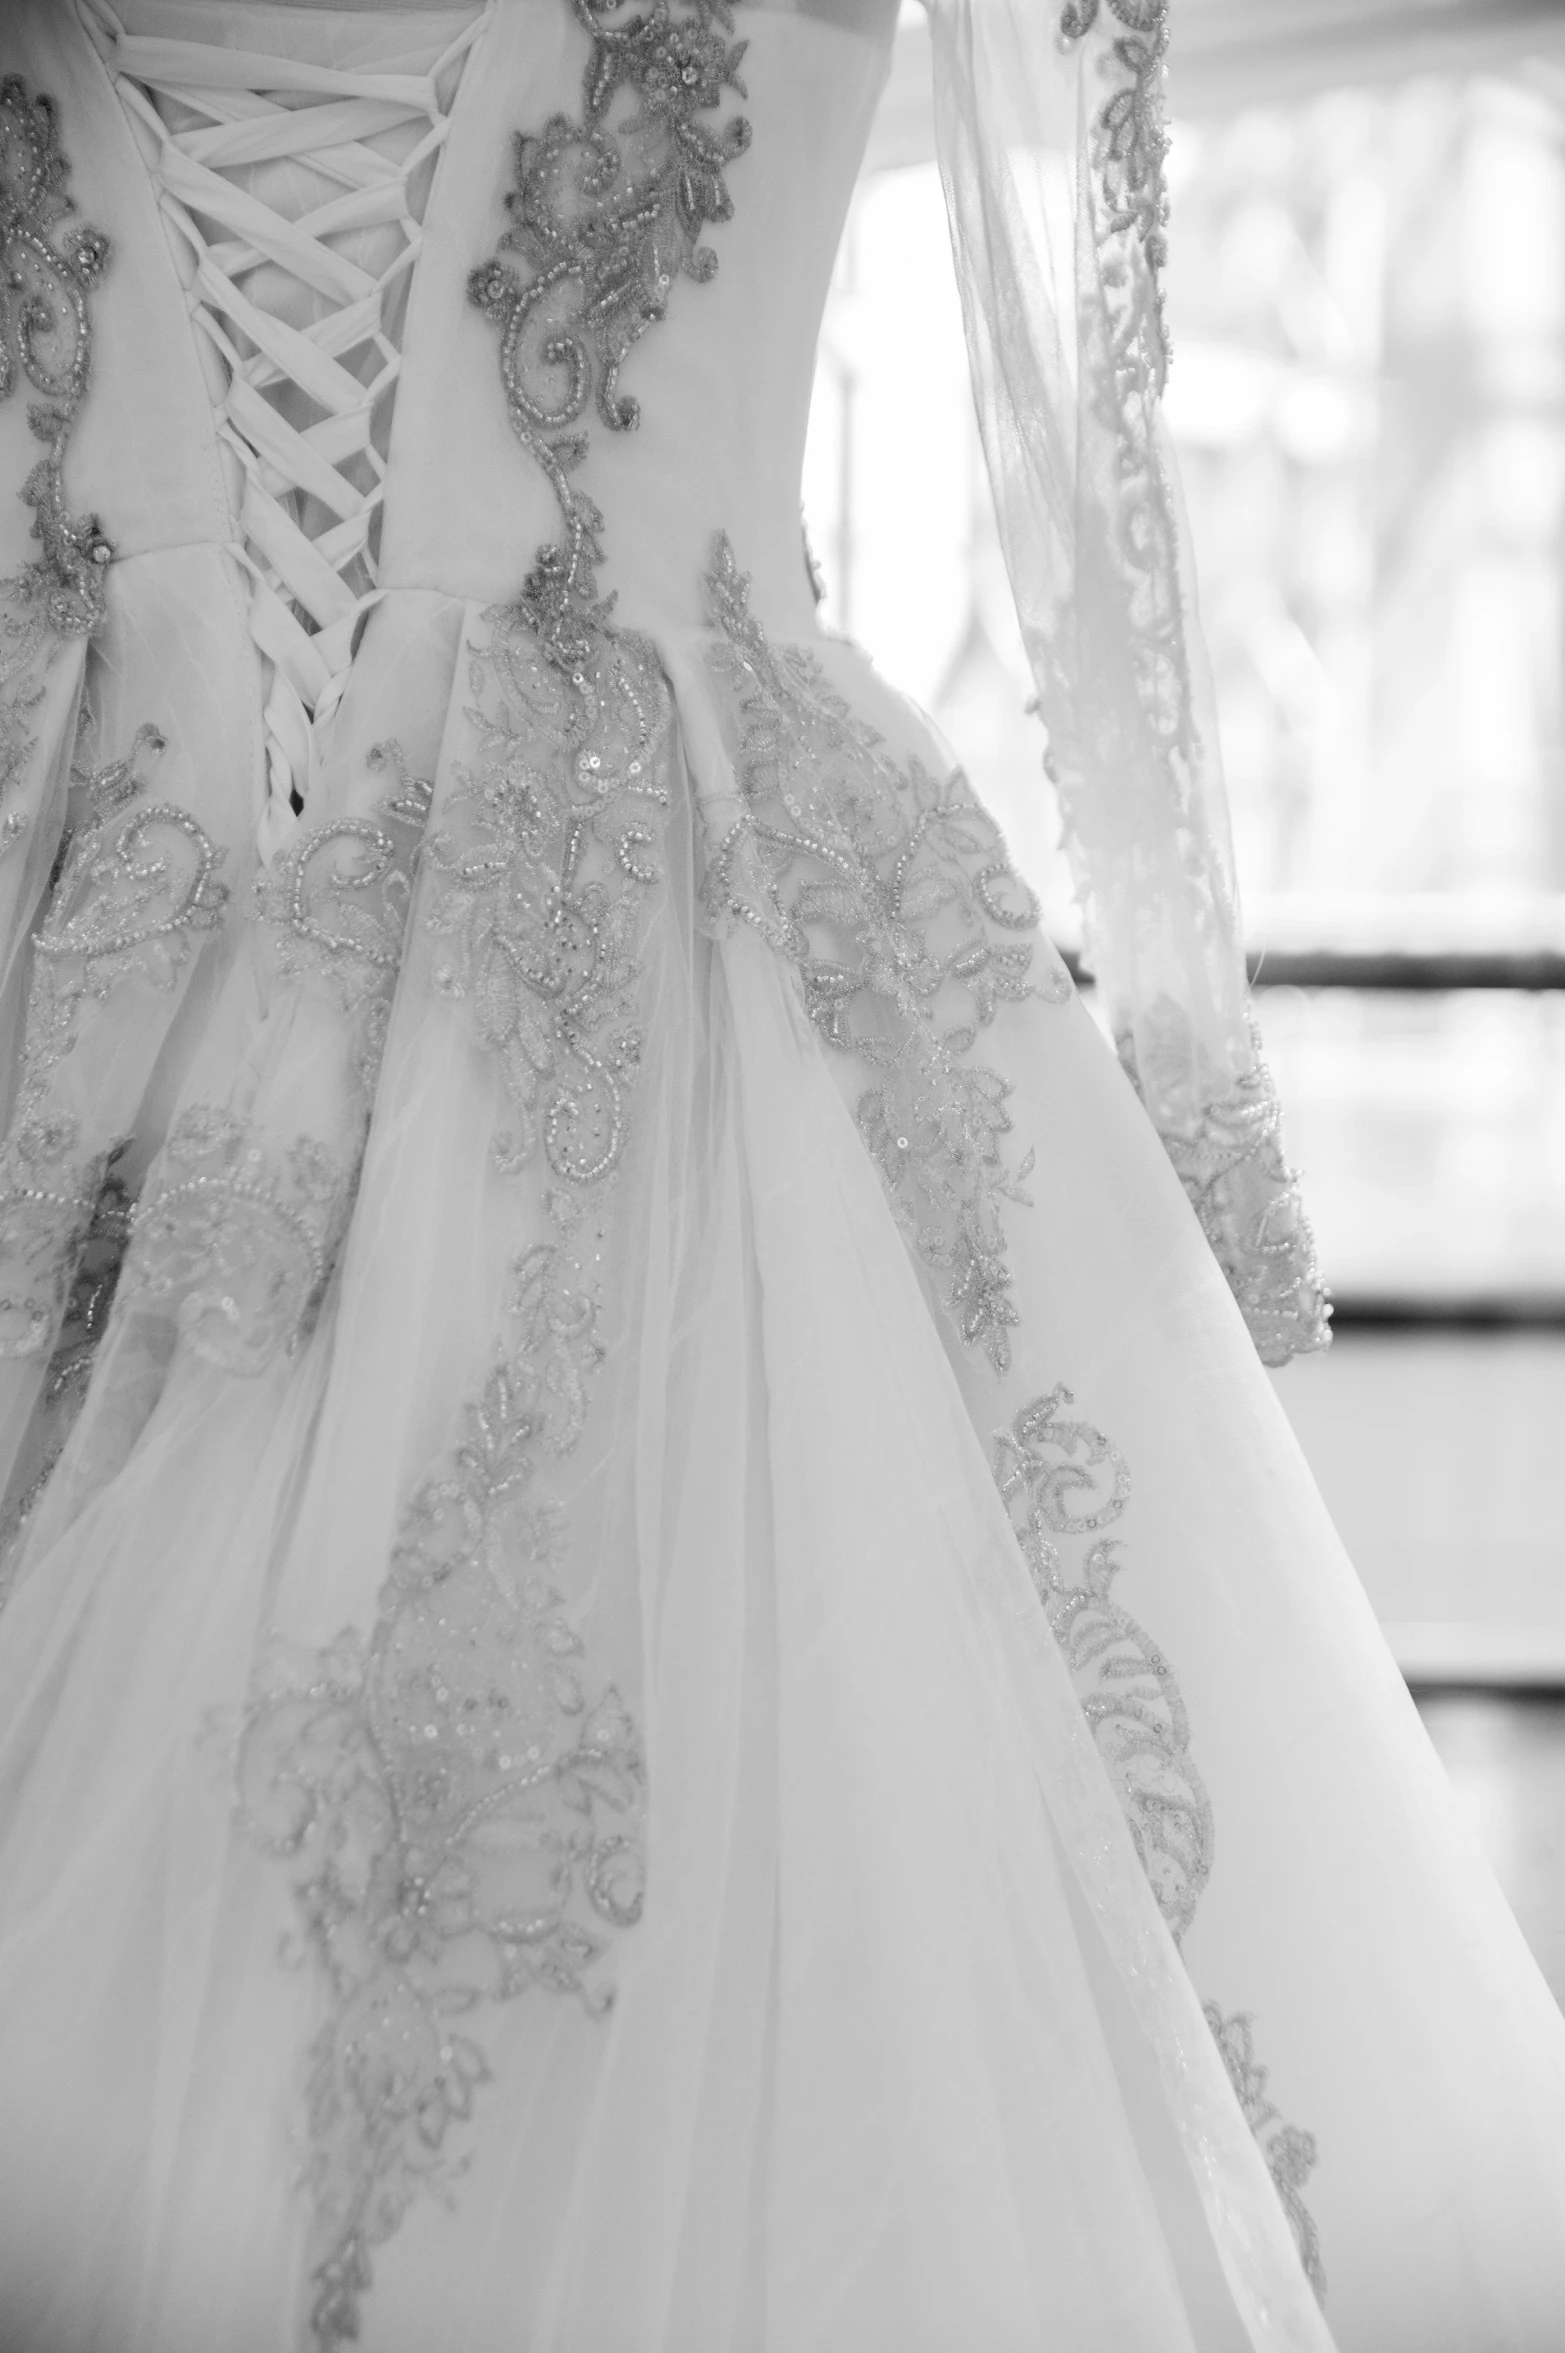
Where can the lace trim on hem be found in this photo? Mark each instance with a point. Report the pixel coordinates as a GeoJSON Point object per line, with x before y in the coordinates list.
{"type": "Point", "coordinates": [464, 1805]}
{"type": "Point", "coordinates": [1061, 1479]}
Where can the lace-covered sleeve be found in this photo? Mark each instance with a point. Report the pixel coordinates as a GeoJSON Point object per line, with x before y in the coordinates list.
{"type": "Point", "coordinates": [1051, 138]}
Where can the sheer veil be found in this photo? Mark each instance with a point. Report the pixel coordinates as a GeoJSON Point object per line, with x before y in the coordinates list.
{"type": "Point", "coordinates": [1049, 123]}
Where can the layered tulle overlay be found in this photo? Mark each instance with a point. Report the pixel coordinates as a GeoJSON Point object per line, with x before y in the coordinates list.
{"type": "Point", "coordinates": [669, 1682]}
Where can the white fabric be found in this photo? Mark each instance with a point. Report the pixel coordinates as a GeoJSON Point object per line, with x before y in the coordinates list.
{"type": "Point", "coordinates": [1050, 127]}
{"type": "Point", "coordinates": [1057, 220]}
{"type": "Point", "coordinates": [904, 2058]}
{"type": "Point", "coordinates": [316, 166]}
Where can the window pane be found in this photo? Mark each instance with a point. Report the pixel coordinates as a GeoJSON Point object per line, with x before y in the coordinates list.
{"type": "Point", "coordinates": [1368, 395]}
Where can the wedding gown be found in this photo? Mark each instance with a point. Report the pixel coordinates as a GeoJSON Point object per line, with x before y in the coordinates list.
{"type": "Point", "coordinates": [670, 1684]}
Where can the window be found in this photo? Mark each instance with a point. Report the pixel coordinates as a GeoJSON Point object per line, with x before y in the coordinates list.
{"type": "Point", "coordinates": [1368, 308]}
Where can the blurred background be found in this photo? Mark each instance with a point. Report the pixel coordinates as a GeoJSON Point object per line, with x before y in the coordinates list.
{"type": "Point", "coordinates": [1367, 298]}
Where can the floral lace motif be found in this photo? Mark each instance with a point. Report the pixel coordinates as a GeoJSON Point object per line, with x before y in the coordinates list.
{"type": "Point", "coordinates": [464, 1803]}
{"type": "Point", "coordinates": [470, 1810]}
{"type": "Point", "coordinates": [241, 1236]}
{"type": "Point", "coordinates": [891, 891]}
{"type": "Point", "coordinates": [133, 893]}
{"type": "Point", "coordinates": [236, 1228]}
{"type": "Point", "coordinates": [1065, 1478]}
{"type": "Point", "coordinates": [92, 1295]}
{"type": "Point", "coordinates": [464, 1799]}
{"type": "Point", "coordinates": [606, 213]}
{"type": "Point", "coordinates": [1230, 1161]}
{"type": "Point", "coordinates": [1290, 2154]}
{"type": "Point", "coordinates": [544, 851]}
{"type": "Point", "coordinates": [1130, 134]}
{"type": "Point", "coordinates": [46, 276]}
{"type": "Point", "coordinates": [335, 905]}
{"type": "Point", "coordinates": [46, 335]}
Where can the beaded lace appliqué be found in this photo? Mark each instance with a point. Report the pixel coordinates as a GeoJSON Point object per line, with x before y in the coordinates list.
{"type": "Point", "coordinates": [1227, 1151]}
{"type": "Point", "coordinates": [536, 874]}
{"type": "Point", "coordinates": [46, 336]}
{"type": "Point", "coordinates": [137, 887]}
{"type": "Point", "coordinates": [1290, 2154]}
{"type": "Point", "coordinates": [606, 213]}
{"type": "Point", "coordinates": [464, 1802]}
{"type": "Point", "coordinates": [241, 1236]}
{"type": "Point", "coordinates": [1230, 1161]}
{"type": "Point", "coordinates": [236, 1232]}
{"type": "Point", "coordinates": [335, 906]}
{"type": "Point", "coordinates": [1062, 1479]}
{"type": "Point", "coordinates": [46, 276]}
{"type": "Point", "coordinates": [463, 1795]}
{"type": "Point", "coordinates": [1130, 135]}
{"type": "Point", "coordinates": [889, 888]}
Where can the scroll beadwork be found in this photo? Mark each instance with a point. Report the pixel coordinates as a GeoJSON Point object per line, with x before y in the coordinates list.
{"type": "Point", "coordinates": [46, 276]}
{"type": "Point", "coordinates": [1062, 1478]}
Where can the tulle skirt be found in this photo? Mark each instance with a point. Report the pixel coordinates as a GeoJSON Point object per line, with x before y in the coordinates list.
{"type": "Point", "coordinates": [671, 1684]}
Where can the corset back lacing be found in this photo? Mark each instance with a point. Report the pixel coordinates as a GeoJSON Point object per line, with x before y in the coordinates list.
{"type": "Point", "coordinates": [304, 409]}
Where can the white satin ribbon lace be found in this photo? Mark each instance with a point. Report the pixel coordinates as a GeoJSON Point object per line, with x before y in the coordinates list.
{"type": "Point", "coordinates": [293, 193]}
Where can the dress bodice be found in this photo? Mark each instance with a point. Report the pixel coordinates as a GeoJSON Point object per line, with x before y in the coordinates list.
{"type": "Point", "coordinates": [720, 386]}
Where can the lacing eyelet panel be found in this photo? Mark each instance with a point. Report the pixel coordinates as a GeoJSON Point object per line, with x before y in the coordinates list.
{"type": "Point", "coordinates": [302, 311]}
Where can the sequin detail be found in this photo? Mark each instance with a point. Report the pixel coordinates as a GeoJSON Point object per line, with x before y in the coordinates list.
{"type": "Point", "coordinates": [137, 887]}
{"type": "Point", "coordinates": [1290, 2154]}
{"type": "Point", "coordinates": [464, 1800]}
{"type": "Point", "coordinates": [890, 890]}
{"type": "Point", "coordinates": [1060, 1479]}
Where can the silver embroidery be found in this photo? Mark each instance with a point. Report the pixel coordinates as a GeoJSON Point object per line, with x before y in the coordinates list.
{"type": "Point", "coordinates": [543, 853]}
{"type": "Point", "coordinates": [1228, 1152]}
{"type": "Point", "coordinates": [87, 1307]}
{"type": "Point", "coordinates": [240, 1235]}
{"type": "Point", "coordinates": [46, 335]}
{"type": "Point", "coordinates": [1290, 2154]}
{"type": "Point", "coordinates": [1130, 135]}
{"type": "Point", "coordinates": [1064, 1478]}
{"type": "Point", "coordinates": [46, 276]}
{"type": "Point", "coordinates": [336, 899]}
{"type": "Point", "coordinates": [490, 1836]}
{"type": "Point", "coordinates": [464, 1801]}
{"type": "Point", "coordinates": [136, 888]}
{"type": "Point", "coordinates": [237, 1230]}
{"type": "Point", "coordinates": [606, 214]}
{"type": "Point", "coordinates": [1230, 1161]}
{"type": "Point", "coordinates": [890, 890]}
